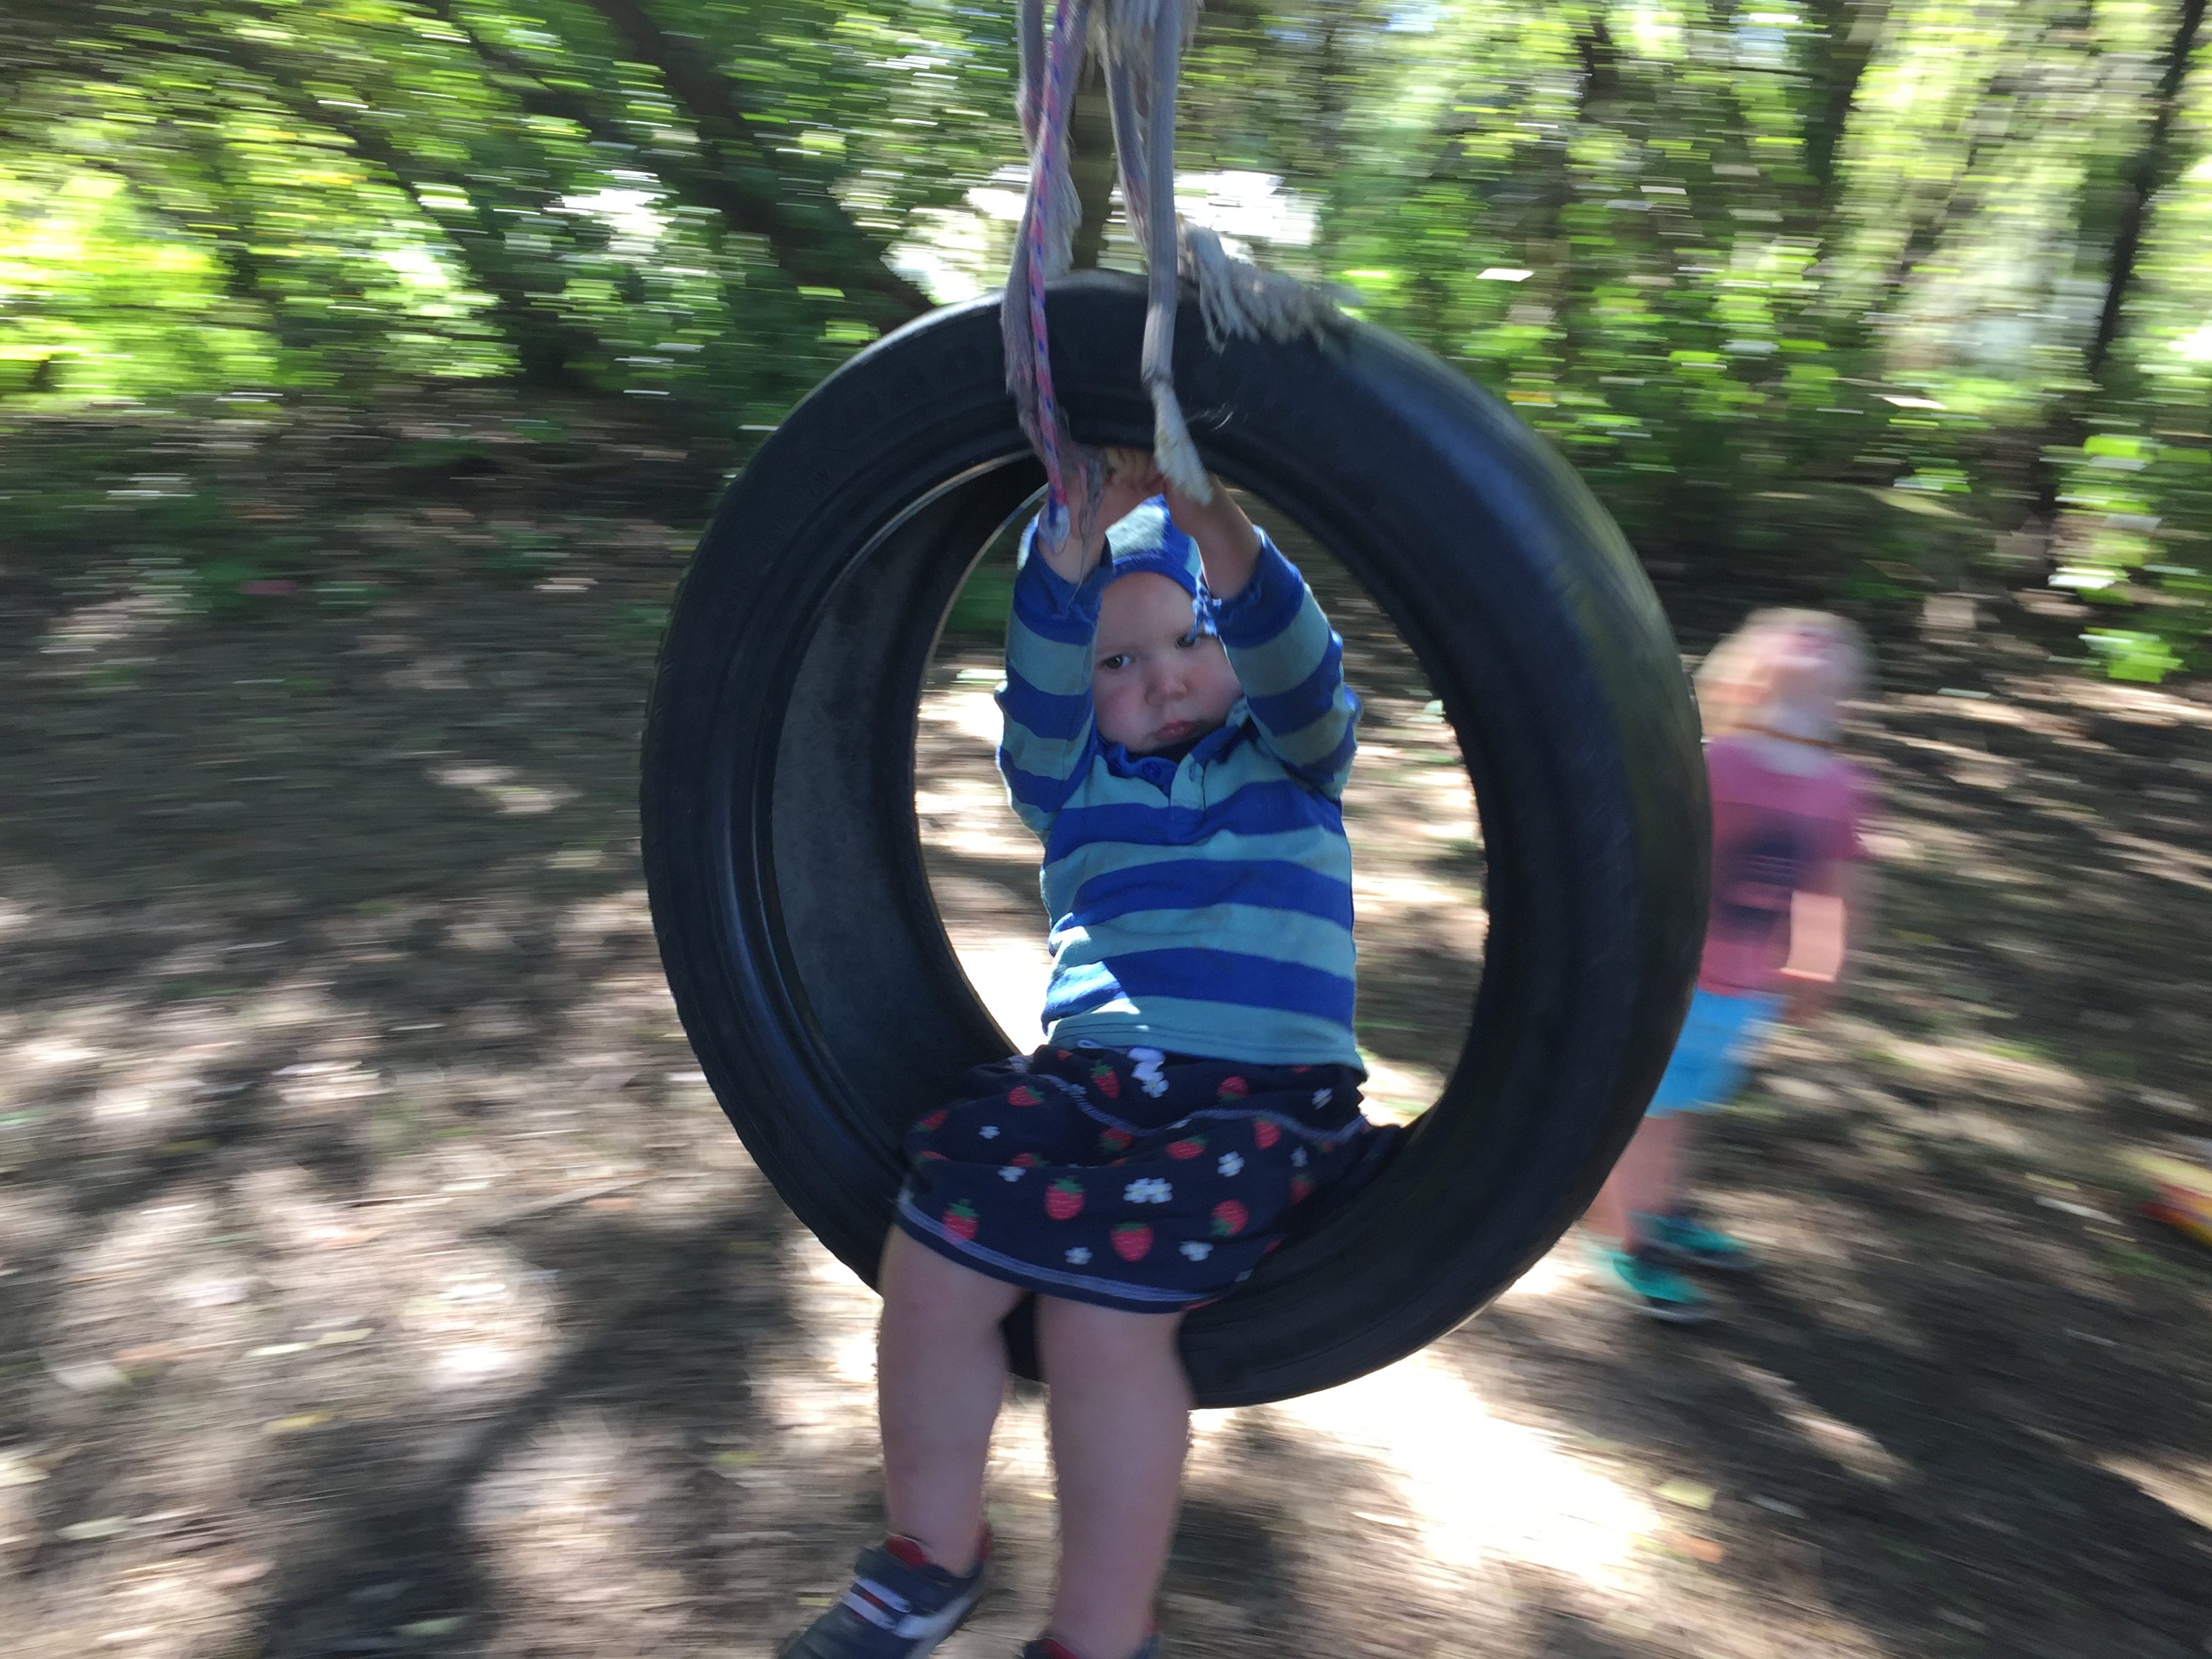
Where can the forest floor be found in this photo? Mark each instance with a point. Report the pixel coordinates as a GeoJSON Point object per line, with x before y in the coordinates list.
{"type": "Point", "coordinates": [378, 1275]}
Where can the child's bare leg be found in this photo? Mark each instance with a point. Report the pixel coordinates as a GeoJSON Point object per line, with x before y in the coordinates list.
{"type": "Point", "coordinates": [940, 1374]}
{"type": "Point", "coordinates": [1119, 1404]}
{"type": "Point", "coordinates": [1645, 1181]}
{"type": "Point", "coordinates": [1664, 1192]}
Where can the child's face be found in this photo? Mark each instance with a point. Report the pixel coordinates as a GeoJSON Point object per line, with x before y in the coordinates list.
{"type": "Point", "coordinates": [1808, 669]}
{"type": "Point", "coordinates": [1154, 680]}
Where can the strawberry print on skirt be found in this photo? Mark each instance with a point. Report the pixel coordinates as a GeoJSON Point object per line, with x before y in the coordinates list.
{"type": "Point", "coordinates": [1141, 1181]}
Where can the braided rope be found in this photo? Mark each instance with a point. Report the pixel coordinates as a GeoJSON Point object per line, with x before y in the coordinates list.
{"type": "Point", "coordinates": [1141, 43]}
{"type": "Point", "coordinates": [1064, 56]}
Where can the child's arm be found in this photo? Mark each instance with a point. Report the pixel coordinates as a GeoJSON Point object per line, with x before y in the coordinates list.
{"type": "Point", "coordinates": [1289, 661]}
{"type": "Point", "coordinates": [1825, 916]}
{"type": "Point", "coordinates": [1048, 734]}
{"type": "Point", "coordinates": [1228, 543]}
{"type": "Point", "coordinates": [1046, 744]}
{"type": "Point", "coordinates": [1820, 935]}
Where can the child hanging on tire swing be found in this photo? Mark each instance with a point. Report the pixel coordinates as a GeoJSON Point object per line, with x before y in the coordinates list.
{"type": "Point", "coordinates": [1178, 733]}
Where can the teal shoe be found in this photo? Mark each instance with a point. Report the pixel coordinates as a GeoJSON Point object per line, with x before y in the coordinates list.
{"type": "Point", "coordinates": [1682, 1242]}
{"type": "Point", "coordinates": [1660, 1291]}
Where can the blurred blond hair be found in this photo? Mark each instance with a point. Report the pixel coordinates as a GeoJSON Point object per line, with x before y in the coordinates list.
{"type": "Point", "coordinates": [1736, 689]}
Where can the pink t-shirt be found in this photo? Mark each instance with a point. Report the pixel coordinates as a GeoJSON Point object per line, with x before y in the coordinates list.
{"type": "Point", "coordinates": [1776, 833]}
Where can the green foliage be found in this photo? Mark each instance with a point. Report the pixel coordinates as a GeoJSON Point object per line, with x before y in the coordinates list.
{"type": "Point", "coordinates": [986, 599]}
{"type": "Point", "coordinates": [1824, 287]}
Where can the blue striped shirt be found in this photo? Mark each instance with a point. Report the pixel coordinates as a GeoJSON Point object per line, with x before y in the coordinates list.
{"type": "Point", "coordinates": [1203, 905]}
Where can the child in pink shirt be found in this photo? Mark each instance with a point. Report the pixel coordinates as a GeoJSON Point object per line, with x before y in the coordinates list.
{"type": "Point", "coordinates": [1786, 815]}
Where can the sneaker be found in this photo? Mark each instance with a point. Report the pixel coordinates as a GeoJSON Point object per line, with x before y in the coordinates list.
{"type": "Point", "coordinates": [1659, 1291]}
{"type": "Point", "coordinates": [1685, 1242]}
{"type": "Point", "coordinates": [1046, 1647]}
{"type": "Point", "coordinates": [900, 1606]}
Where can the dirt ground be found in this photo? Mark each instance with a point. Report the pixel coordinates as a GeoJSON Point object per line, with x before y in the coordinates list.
{"type": "Point", "coordinates": [377, 1275]}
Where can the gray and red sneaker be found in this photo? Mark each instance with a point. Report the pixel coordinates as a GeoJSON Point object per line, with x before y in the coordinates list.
{"type": "Point", "coordinates": [900, 1605]}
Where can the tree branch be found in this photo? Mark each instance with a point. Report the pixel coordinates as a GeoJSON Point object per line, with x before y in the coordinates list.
{"type": "Point", "coordinates": [814, 241]}
{"type": "Point", "coordinates": [1091, 146]}
{"type": "Point", "coordinates": [2146, 176]}
{"type": "Point", "coordinates": [1849, 33]}
{"type": "Point", "coordinates": [535, 94]}
{"type": "Point", "coordinates": [546, 346]}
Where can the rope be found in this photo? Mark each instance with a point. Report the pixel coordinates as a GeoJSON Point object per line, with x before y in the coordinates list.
{"type": "Point", "coordinates": [1141, 43]}
{"type": "Point", "coordinates": [1066, 59]}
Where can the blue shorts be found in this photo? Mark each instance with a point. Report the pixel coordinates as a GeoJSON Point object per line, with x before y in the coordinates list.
{"type": "Point", "coordinates": [1720, 1035]}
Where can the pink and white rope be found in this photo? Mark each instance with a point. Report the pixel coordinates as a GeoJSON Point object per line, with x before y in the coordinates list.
{"type": "Point", "coordinates": [1062, 60]}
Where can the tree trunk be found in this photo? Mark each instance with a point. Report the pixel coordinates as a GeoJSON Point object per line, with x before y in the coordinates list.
{"type": "Point", "coordinates": [2147, 174]}
{"type": "Point", "coordinates": [547, 348]}
{"type": "Point", "coordinates": [737, 197]}
{"type": "Point", "coordinates": [2146, 177]}
{"type": "Point", "coordinates": [1851, 31]}
{"type": "Point", "coordinates": [807, 231]}
{"type": "Point", "coordinates": [1091, 162]}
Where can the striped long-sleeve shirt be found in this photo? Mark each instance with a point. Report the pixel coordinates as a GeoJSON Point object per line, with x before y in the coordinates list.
{"type": "Point", "coordinates": [1199, 905]}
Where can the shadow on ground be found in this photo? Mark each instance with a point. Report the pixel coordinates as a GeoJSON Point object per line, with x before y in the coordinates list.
{"type": "Point", "coordinates": [377, 1276]}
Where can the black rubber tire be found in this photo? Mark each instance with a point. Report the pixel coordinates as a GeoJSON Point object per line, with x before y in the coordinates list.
{"type": "Point", "coordinates": [783, 857]}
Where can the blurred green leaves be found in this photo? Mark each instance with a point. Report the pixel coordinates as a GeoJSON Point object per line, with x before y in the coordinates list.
{"type": "Point", "coordinates": [1781, 281]}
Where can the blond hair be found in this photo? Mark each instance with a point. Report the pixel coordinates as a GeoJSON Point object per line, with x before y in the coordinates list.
{"type": "Point", "coordinates": [1736, 688]}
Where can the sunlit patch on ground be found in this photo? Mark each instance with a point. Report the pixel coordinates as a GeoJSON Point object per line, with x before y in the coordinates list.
{"type": "Point", "coordinates": [1477, 1488]}
{"type": "Point", "coordinates": [1560, 1267]}
{"type": "Point", "coordinates": [572, 1525]}
{"type": "Point", "coordinates": [2184, 1488]}
{"type": "Point", "coordinates": [1009, 977]}
{"type": "Point", "coordinates": [502, 788]}
{"type": "Point", "coordinates": [1398, 1094]}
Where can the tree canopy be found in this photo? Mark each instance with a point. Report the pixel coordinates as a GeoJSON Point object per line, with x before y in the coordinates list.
{"type": "Point", "coordinates": [1923, 278]}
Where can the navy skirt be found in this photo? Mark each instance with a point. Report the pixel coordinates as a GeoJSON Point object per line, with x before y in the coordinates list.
{"type": "Point", "coordinates": [1134, 1179]}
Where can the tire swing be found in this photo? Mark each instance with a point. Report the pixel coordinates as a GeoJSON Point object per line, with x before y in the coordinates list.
{"type": "Point", "coordinates": [783, 857]}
